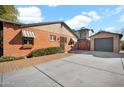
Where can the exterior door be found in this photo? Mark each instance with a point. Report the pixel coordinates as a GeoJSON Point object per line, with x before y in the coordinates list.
{"type": "Point", "coordinates": [103, 44]}
{"type": "Point", "coordinates": [62, 42]}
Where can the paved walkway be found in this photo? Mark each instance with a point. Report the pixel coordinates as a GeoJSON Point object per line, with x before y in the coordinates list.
{"type": "Point", "coordinates": [15, 65]}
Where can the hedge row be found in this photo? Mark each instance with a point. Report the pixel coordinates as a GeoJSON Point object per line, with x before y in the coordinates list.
{"type": "Point", "coordinates": [36, 53]}
{"type": "Point", "coordinates": [46, 51]}
{"type": "Point", "coordinates": [9, 58]}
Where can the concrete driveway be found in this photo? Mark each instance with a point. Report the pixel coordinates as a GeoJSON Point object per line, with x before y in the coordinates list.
{"type": "Point", "coordinates": [82, 69]}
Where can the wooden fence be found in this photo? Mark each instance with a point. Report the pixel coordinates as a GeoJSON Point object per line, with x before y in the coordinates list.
{"type": "Point", "coordinates": [82, 45]}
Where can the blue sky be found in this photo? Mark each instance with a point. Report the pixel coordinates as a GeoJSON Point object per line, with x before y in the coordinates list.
{"type": "Point", "coordinates": [97, 17]}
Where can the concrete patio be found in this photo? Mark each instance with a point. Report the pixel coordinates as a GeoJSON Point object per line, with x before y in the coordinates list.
{"type": "Point", "coordinates": [82, 69]}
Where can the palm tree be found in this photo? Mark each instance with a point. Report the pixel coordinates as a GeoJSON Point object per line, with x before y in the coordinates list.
{"type": "Point", "coordinates": [8, 12]}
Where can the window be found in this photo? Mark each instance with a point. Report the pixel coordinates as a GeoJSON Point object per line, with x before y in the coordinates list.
{"type": "Point", "coordinates": [27, 40]}
{"type": "Point", "coordinates": [82, 36]}
{"type": "Point", "coordinates": [52, 38]}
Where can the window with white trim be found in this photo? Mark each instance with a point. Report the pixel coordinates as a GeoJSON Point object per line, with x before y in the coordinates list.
{"type": "Point", "coordinates": [27, 41]}
{"type": "Point", "coordinates": [52, 37]}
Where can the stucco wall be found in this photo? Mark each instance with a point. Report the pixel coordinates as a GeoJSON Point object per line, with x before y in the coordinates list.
{"type": "Point", "coordinates": [116, 42]}
{"type": "Point", "coordinates": [83, 33]}
{"type": "Point", "coordinates": [12, 38]}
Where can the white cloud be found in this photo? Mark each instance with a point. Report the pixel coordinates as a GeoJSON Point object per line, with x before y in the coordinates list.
{"type": "Point", "coordinates": [115, 11]}
{"type": "Point", "coordinates": [118, 10]}
{"type": "Point", "coordinates": [30, 14]}
{"type": "Point", "coordinates": [121, 18]}
{"type": "Point", "coordinates": [78, 21]}
{"type": "Point", "coordinates": [83, 19]}
{"type": "Point", "coordinates": [52, 5]}
{"type": "Point", "coordinates": [92, 14]}
{"type": "Point", "coordinates": [110, 29]}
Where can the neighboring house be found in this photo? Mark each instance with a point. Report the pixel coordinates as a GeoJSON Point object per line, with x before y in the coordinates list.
{"type": "Point", "coordinates": [83, 38]}
{"type": "Point", "coordinates": [106, 41]}
{"type": "Point", "coordinates": [83, 33]}
{"type": "Point", "coordinates": [19, 39]}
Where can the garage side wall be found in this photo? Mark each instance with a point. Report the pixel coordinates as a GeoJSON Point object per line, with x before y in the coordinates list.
{"type": "Point", "coordinates": [116, 41]}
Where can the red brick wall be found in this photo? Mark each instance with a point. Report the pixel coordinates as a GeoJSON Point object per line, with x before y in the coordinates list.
{"type": "Point", "coordinates": [12, 44]}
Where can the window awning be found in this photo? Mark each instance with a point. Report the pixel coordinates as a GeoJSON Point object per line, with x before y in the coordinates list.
{"type": "Point", "coordinates": [28, 34]}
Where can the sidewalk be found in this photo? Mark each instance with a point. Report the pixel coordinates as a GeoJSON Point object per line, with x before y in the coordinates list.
{"type": "Point", "coordinates": [14, 65]}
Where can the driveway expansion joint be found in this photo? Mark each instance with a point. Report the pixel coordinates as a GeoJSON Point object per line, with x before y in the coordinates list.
{"type": "Point", "coordinates": [93, 67]}
{"type": "Point", "coordinates": [122, 63]}
{"type": "Point", "coordinates": [48, 76]}
{"type": "Point", "coordinates": [1, 81]}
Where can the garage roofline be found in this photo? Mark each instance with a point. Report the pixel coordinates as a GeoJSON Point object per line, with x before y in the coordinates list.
{"type": "Point", "coordinates": [120, 35]}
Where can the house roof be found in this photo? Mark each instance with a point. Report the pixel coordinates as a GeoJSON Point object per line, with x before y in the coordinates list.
{"type": "Point", "coordinates": [3, 20]}
{"type": "Point", "coordinates": [83, 29]}
{"type": "Point", "coordinates": [30, 24]}
{"type": "Point", "coordinates": [39, 24]}
{"type": "Point", "coordinates": [120, 35]}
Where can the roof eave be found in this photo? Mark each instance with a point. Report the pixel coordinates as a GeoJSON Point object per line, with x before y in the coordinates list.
{"type": "Point", "coordinates": [120, 35]}
{"type": "Point", "coordinates": [40, 24]}
{"type": "Point", "coordinates": [69, 29]}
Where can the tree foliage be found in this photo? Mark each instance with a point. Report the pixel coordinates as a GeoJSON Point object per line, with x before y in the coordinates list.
{"type": "Point", "coordinates": [8, 12]}
{"type": "Point", "coordinates": [122, 41]}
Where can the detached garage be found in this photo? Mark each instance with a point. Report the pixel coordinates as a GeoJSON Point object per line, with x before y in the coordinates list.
{"type": "Point", "coordinates": [105, 41]}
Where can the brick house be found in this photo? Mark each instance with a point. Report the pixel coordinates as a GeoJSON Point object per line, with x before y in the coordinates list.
{"type": "Point", "coordinates": [83, 35]}
{"type": "Point", "coordinates": [17, 39]}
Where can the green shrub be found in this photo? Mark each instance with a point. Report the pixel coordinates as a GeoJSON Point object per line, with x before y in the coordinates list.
{"type": "Point", "coordinates": [18, 58]}
{"type": "Point", "coordinates": [39, 52]}
{"type": "Point", "coordinates": [46, 51]}
{"type": "Point", "coordinates": [122, 41]}
{"type": "Point", "coordinates": [9, 58]}
{"type": "Point", "coordinates": [53, 50]}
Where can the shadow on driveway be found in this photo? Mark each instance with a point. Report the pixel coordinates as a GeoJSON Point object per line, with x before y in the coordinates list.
{"type": "Point", "coordinates": [100, 54]}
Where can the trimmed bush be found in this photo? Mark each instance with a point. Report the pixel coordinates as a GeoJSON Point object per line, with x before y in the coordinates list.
{"type": "Point", "coordinates": [122, 47]}
{"type": "Point", "coordinates": [9, 58]}
{"type": "Point", "coordinates": [39, 52]}
{"type": "Point", "coordinates": [122, 44]}
{"type": "Point", "coordinates": [18, 58]}
{"type": "Point", "coordinates": [46, 51]}
{"type": "Point", "coordinates": [53, 50]}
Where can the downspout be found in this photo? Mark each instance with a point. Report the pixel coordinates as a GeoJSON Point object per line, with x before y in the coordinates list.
{"type": "Point", "coordinates": [3, 38]}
